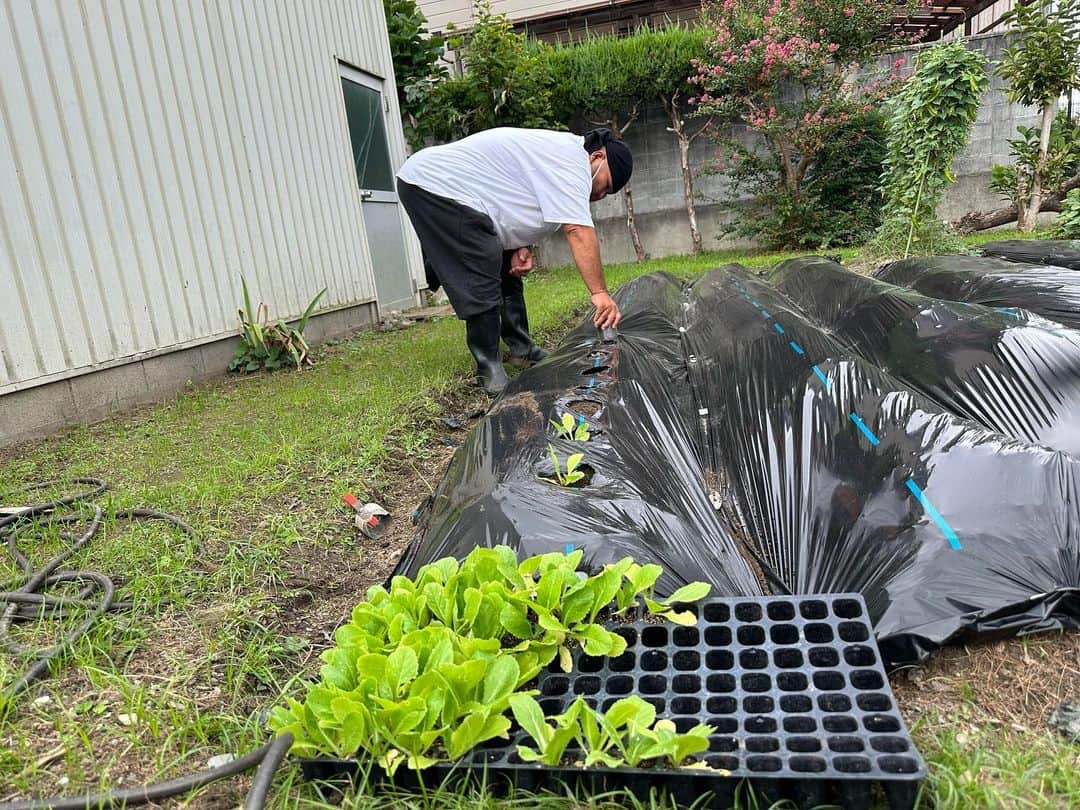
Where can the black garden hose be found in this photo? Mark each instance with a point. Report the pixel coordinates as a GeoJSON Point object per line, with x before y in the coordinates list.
{"type": "Point", "coordinates": [27, 603]}
{"type": "Point", "coordinates": [268, 757]}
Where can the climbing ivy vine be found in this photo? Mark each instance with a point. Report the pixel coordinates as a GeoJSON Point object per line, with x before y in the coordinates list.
{"type": "Point", "coordinates": [928, 124]}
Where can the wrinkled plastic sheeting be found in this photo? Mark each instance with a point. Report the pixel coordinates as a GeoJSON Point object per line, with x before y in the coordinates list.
{"type": "Point", "coordinates": [1052, 292]}
{"type": "Point", "coordinates": [1059, 252]}
{"type": "Point", "coordinates": [842, 478]}
{"type": "Point", "coordinates": [645, 498]}
{"type": "Point", "coordinates": [731, 422]}
{"type": "Point", "coordinates": [1006, 370]}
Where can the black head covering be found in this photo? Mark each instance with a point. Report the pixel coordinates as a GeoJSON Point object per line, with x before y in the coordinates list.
{"type": "Point", "coordinates": [620, 161]}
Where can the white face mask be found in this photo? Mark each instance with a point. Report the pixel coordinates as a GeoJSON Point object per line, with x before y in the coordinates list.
{"type": "Point", "coordinates": [598, 168]}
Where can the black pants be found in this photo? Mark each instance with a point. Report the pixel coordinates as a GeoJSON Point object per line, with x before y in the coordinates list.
{"type": "Point", "coordinates": [462, 252]}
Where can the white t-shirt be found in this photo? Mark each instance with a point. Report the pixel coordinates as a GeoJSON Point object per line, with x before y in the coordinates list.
{"type": "Point", "coordinates": [529, 181]}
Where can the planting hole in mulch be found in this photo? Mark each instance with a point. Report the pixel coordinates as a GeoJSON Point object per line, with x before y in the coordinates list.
{"type": "Point", "coordinates": [588, 408]}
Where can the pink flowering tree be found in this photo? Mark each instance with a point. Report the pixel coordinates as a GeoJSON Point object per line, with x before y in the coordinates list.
{"type": "Point", "coordinates": [798, 75]}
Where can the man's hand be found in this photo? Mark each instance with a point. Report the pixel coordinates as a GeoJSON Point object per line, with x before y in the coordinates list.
{"type": "Point", "coordinates": [521, 262]}
{"type": "Point", "coordinates": [607, 311]}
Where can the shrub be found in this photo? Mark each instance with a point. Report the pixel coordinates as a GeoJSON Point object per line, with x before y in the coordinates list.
{"type": "Point", "coordinates": [417, 70]}
{"type": "Point", "coordinates": [928, 124]}
{"type": "Point", "coordinates": [792, 74]}
{"type": "Point", "coordinates": [1041, 64]}
{"type": "Point", "coordinates": [502, 84]}
{"type": "Point", "coordinates": [1067, 224]}
{"type": "Point", "coordinates": [840, 199]}
{"type": "Point", "coordinates": [1061, 161]}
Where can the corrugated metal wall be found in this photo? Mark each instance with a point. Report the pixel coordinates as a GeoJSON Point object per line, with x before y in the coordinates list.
{"type": "Point", "coordinates": [152, 151]}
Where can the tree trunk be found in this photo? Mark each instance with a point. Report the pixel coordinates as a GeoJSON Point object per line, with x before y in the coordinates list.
{"type": "Point", "coordinates": [678, 127]}
{"type": "Point", "coordinates": [1024, 214]}
{"type": "Point", "coordinates": [981, 220]}
{"type": "Point", "coordinates": [628, 194]}
{"type": "Point", "coordinates": [631, 223]}
{"type": "Point", "coordinates": [791, 181]}
{"type": "Point", "coordinates": [1029, 215]}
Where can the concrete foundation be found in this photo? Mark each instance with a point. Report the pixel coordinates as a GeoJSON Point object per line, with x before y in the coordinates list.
{"type": "Point", "coordinates": [100, 393]}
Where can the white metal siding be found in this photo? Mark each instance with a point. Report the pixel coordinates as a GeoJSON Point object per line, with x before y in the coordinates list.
{"type": "Point", "coordinates": [152, 151]}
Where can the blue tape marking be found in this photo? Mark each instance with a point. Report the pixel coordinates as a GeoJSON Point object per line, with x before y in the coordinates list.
{"type": "Point", "coordinates": [822, 377]}
{"type": "Point", "coordinates": [592, 381]}
{"type": "Point", "coordinates": [755, 303]}
{"type": "Point", "coordinates": [569, 548]}
{"type": "Point", "coordinates": [869, 434]}
{"type": "Point", "coordinates": [765, 313]}
{"type": "Point", "coordinates": [1009, 312]}
{"type": "Point", "coordinates": [798, 349]}
{"type": "Point", "coordinates": [581, 420]}
{"type": "Point", "coordinates": [946, 529]}
{"type": "Point", "coordinates": [596, 362]}
{"type": "Point", "coordinates": [778, 328]}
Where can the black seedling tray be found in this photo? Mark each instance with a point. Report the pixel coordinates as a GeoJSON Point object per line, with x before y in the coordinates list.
{"type": "Point", "coordinates": [793, 686]}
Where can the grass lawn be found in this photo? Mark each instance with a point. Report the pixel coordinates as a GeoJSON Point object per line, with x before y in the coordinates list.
{"type": "Point", "coordinates": [221, 627]}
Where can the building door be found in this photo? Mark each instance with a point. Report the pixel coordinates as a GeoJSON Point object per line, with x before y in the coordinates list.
{"type": "Point", "coordinates": [366, 113]}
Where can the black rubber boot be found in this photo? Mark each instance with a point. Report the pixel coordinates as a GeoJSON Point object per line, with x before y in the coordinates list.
{"type": "Point", "coordinates": [515, 331]}
{"type": "Point", "coordinates": [482, 337]}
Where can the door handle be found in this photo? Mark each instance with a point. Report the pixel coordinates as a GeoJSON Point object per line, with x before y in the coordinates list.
{"type": "Point", "coordinates": [365, 195]}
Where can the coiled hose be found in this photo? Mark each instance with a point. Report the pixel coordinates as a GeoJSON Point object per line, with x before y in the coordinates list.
{"type": "Point", "coordinates": [97, 595]}
{"type": "Point", "coordinates": [267, 758]}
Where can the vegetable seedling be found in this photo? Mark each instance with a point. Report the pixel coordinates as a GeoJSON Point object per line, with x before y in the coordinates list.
{"type": "Point", "coordinates": [571, 429]}
{"type": "Point", "coordinates": [571, 475]}
{"type": "Point", "coordinates": [431, 666]}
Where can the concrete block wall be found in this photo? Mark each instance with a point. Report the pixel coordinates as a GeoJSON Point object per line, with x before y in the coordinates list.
{"type": "Point", "coordinates": [657, 182]}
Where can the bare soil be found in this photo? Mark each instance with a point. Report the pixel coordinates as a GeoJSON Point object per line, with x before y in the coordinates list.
{"type": "Point", "coordinates": [585, 407]}
{"type": "Point", "coordinates": [1011, 686]}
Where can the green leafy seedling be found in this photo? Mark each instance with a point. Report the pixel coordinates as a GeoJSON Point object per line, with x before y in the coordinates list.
{"type": "Point", "coordinates": [693, 592]}
{"type": "Point", "coordinates": [571, 475]}
{"type": "Point", "coordinates": [551, 741]}
{"type": "Point", "coordinates": [431, 666]}
{"type": "Point", "coordinates": [662, 742]}
{"type": "Point", "coordinates": [637, 579]}
{"type": "Point", "coordinates": [571, 429]}
{"type": "Point", "coordinates": [628, 734]}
